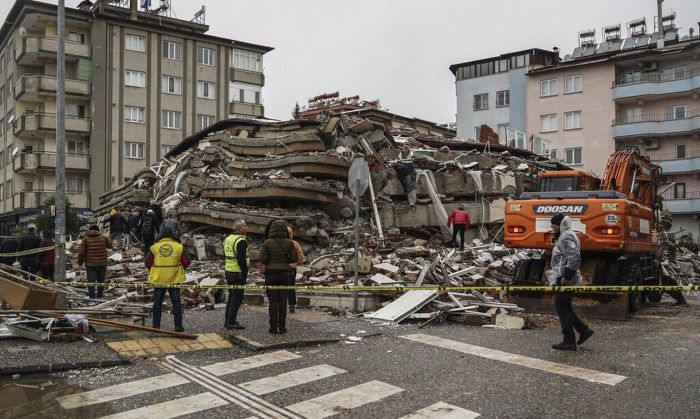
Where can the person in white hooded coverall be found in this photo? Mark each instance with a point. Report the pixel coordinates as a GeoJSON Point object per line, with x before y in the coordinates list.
{"type": "Point", "coordinates": [566, 259]}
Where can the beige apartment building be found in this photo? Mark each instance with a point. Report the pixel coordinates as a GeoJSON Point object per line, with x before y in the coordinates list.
{"type": "Point", "coordinates": [137, 83]}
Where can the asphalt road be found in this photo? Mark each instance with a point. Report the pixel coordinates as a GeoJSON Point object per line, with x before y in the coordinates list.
{"type": "Point", "coordinates": [645, 367]}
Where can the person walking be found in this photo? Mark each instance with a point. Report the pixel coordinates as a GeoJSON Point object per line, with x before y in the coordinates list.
{"type": "Point", "coordinates": [460, 222]}
{"type": "Point", "coordinates": [236, 271]}
{"type": "Point", "coordinates": [148, 229]}
{"type": "Point", "coordinates": [171, 222]}
{"type": "Point", "coordinates": [117, 227]}
{"type": "Point", "coordinates": [566, 259]}
{"type": "Point", "coordinates": [9, 245]}
{"type": "Point", "coordinates": [93, 253]}
{"type": "Point", "coordinates": [166, 263]}
{"type": "Point", "coordinates": [28, 242]}
{"type": "Point", "coordinates": [293, 270]}
{"type": "Point", "coordinates": [46, 260]}
{"type": "Point", "coordinates": [276, 254]}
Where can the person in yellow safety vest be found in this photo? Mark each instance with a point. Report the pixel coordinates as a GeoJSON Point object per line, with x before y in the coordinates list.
{"type": "Point", "coordinates": [236, 270]}
{"type": "Point", "coordinates": [166, 265]}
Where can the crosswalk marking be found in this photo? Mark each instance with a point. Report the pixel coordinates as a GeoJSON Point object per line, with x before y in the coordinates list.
{"type": "Point", "coordinates": [442, 410]}
{"type": "Point", "coordinates": [291, 379]}
{"type": "Point", "coordinates": [173, 408]}
{"type": "Point", "coordinates": [343, 400]}
{"type": "Point", "coordinates": [133, 388]}
{"type": "Point", "coordinates": [540, 364]}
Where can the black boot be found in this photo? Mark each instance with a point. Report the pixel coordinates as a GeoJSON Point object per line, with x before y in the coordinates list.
{"type": "Point", "coordinates": [564, 346]}
{"type": "Point", "coordinates": [584, 336]}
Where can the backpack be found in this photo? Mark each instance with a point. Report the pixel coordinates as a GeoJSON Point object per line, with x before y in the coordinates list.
{"type": "Point", "coordinates": [147, 226]}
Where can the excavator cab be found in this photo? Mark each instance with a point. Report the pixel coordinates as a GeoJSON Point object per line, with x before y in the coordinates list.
{"type": "Point", "coordinates": [567, 181]}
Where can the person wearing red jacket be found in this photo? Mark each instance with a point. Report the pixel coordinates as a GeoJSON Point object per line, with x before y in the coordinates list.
{"type": "Point", "coordinates": [460, 222]}
{"type": "Point", "coordinates": [46, 258]}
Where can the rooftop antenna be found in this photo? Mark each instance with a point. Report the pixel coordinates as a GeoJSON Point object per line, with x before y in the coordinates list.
{"type": "Point", "coordinates": [200, 16]}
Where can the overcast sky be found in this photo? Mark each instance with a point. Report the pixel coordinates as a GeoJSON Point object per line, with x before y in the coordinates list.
{"type": "Point", "coordinates": [399, 51]}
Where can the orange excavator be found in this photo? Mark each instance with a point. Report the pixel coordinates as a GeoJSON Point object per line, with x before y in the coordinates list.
{"type": "Point", "coordinates": [616, 218]}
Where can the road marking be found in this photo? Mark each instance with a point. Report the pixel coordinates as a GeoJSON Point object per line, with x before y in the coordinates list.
{"type": "Point", "coordinates": [442, 410]}
{"type": "Point", "coordinates": [539, 364]}
{"type": "Point", "coordinates": [173, 408]}
{"type": "Point", "coordinates": [133, 388]}
{"type": "Point", "coordinates": [340, 401]}
{"type": "Point", "coordinates": [119, 391]}
{"type": "Point", "coordinates": [291, 379]}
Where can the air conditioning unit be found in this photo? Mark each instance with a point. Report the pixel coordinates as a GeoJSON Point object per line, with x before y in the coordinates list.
{"type": "Point", "coordinates": [666, 179]}
{"type": "Point", "coordinates": [651, 66]}
{"type": "Point", "coordinates": [651, 143]}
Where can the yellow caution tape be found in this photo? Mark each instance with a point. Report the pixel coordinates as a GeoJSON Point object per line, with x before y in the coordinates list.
{"type": "Point", "coordinates": [384, 288]}
{"type": "Point", "coordinates": [27, 252]}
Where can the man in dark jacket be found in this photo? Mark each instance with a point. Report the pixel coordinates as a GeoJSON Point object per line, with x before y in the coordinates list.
{"type": "Point", "coordinates": [29, 241]}
{"type": "Point", "coordinates": [9, 246]}
{"type": "Point", "coordinates": [148, 229]}
{"type": "Point", "coordinates": [277, 253]}
{"type": "Point", "coordinates": [117, 227]}
{"type": "Point", "coordinates": [134, 220]}
{"type": "Point", "coordinates": [93, 252]}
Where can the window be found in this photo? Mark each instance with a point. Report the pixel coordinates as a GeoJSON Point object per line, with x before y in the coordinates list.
{"type": "Point", "coordinates": [675, 112]}
{"type": "Point", "coordinates": [135, 43]}
{"type": "Point", "coordinates": [502, 131]}
{"type": "Point", "coordinates": [679, 191]}
{"type": "Point", "coordinates": [172, 119]}
{"type": "Point", "coordinates": [481, 101]}
{"type": "Point", "coordinates": [502, 98]}
{"type": "Point", "coordinates": [553, 154]}
{"type": "Point", "coordinates": [205, 89]}
{"type": "Point", "coordinates": [134, 78]}
{"type": "Point", "coordinates": [633, 114]}
{"type": "Point", "coordinates": [206, 56]}
{"type": "Point", "coordinates": [78, 37]}
{"type": "Point", "coordinates": [204, 121]}
{"type": "Point", "coordinates": [75, 184]}
{"type": "Point", "coordinates": [572, 84]}
{"type": "Point", "coordinates": [239, 92]}
{"type": "Point", "coordinates": [76, 147]}
{"type": "Point", "coordinates": [573, 155]}
{"type": "Point", "coordinates": [172, 50]}
{"type": "Point", "coordinates": [133, 150]}
{"type": "Point", "coordinates": [28, 186]}
{"type": "Point", "coordinates": [548, 88]}
{"type": "Point", "coordinates": [165, 149]}
{"type": "Point", "coordinates": [633, 76]}
{"type": "Point", "coordinates": [134, 114]}
{"type": "Point", "coordinates": [477, 132]}
{"type": "Point", "coordinates": [172, 84]}
{"type": "Point", "coordinates": [674, 73]}
{"type": "Point", "coordinates": [572, 120]}
{"type": "Point", "coordinates": [76, 110]}
{"type": "Point", "coordinates": [246, 60]}
{"type": "Point", "coordinates": [548, 122]}
{"type": "Point", "coordinates": [680, 151]}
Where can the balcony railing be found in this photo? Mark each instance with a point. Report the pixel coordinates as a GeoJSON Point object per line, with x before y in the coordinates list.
{"type": "Point", "coordinates": [655, 117]}
{"type": "Point", "coordinates": [31, 123]}
{"type": "Point", "coordinates": [245, 108]}
{"type": "Point", "coordinates": [672, 195]}
{"type": "Point", "coordinates": [46, 160]}
{"type": "Point", "coordinates": [46, 85]}
{"type": "Point", "coordinates": [656, 77]}
{"type": "Point", "coordinates": [674, 156]}
{"type": "Point", "coordinates": [37, 197]}
{"type": "Point", "coordinates": [33, 47]}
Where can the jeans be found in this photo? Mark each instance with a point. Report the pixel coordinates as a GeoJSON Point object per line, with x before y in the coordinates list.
{"type": "Point", "coordinates": [158, 297]}
{"type": "Point", "coordinates": [235, 298]}
{"type": "Point", "coordinates": [458, 228]}
{"type": "Point", "coordinates": [568, 319]}
{"type": "Point", "coordinates": [277, 298]}
{"type": "Point", "coordinates": [96, 274]}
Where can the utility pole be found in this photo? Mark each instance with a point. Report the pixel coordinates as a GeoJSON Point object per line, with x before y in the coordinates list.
{"type": "Point", "coordinates": [60, 196]}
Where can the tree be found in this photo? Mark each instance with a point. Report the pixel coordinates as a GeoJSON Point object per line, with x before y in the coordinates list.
{"type": "Point", "coordinates": [296, 112]}
{"type": "Point", "coordinates": [45, 221]}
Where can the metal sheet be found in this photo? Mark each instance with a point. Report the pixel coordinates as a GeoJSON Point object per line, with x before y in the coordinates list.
{"type": "Point", "coordinates": [629, 43]}
{"type": "Point", "coordinates": [615, 46]}
{"type": "Point", "coordinates": [578, 51]}
{"type": "Point", "coordinates": [671, 35]}
{"type": "Point", "coordinates": [603, 47]}
{"type": "Point", "coordinates": [643, 40]}
{"type": "Point", "coordinates": [404, 306]}
{"type": "Point", "coordinates": [590, 50]}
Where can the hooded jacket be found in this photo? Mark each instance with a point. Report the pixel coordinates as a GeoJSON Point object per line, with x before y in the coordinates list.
{"type": "Point", "coordinates": [93, 250]}
{"type": "Point", "coordinates": [566, 254]}
{"type": "Point", "coordinates": [278, 251]}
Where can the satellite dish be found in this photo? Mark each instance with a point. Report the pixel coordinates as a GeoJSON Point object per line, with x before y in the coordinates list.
{"type": "Point", "coordinates": [358, 171]}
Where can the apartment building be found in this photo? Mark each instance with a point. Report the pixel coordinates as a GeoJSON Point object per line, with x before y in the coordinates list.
{"type": "Point", "coordinates": [138, 82]}
{"type": "Point", "coordinates": [491, 91]}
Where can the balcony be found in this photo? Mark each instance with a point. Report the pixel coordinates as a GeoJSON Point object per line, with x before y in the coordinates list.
{"type": "Point", "coordinates": [687, 203]}
{"type": "Point", "coordinates": [37, 197]}
{"type": "Point", "coordinates": [38, 88]}
{"type": "Point", "coordinates": [670, 163]}
{"type": "Point", "coordinates": [33, 50]}
{"type": "Point", "coordinates": [656, 84]}
{"type": "Point", "coordinates": [46, 161]}
{"type": "Point", "coordinates": [655, 125]}
{"type": "Point", "coordinates": [245, 108]}
{"type": "Point", "coordinates": [30, 125]}
{"type": "Point", "coordinates": [246, 76]}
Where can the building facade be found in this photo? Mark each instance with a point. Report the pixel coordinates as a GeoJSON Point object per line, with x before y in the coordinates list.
{"type": "Point", "coordinates": [137, 83]}
{"type": "Point", "coordinates": [491, 91]}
